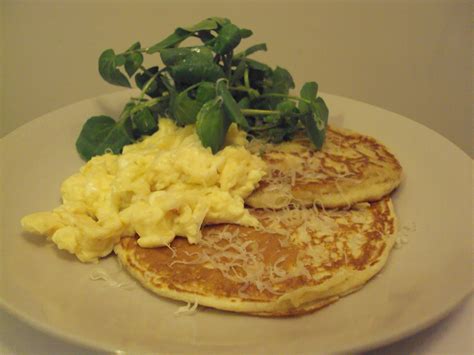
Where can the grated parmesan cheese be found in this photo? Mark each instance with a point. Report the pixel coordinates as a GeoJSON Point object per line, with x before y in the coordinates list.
{"type": "Point", "coordinates": [187, 310]}
{"type": "Point", "coordinates": [101, 274]}
{"type": "Point", "coordinates": [405, 231]}
{"type": "Point", "coordinates": [314, 236]}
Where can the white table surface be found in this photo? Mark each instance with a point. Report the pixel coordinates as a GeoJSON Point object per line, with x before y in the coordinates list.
{"type": "Point", "coordinates": [452, 335]}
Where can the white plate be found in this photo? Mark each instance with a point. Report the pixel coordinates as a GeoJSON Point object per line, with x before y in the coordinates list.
{"type": "Point", "coordinates": [422, 281]}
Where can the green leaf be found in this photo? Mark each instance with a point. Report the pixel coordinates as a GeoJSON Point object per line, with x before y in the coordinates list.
{"type": "Point", "coordinates": [172, 56]}
{"type": "Point", "coordinates": [145, 122]}
{"type": "Point", "coordinates": [322, 111]}
{"type": "Point", "coordinates": [184, 109]}
{"type": "Point", "coordinates": [316, 114]}
{"type": "Point", "coordinates": [245, 33]}
{"type": "Point", "coordinates": [108, 63]}
{"type": "Point", "coordinates": [212, 125]}
{"type": "Point", "coordinates": [221, 21]}
{"type": "Point", "coordinates": [207, 24]}
{"type": "Point", "coordinates": [134, 47]}
{"type": "Point", "coordinates": [244, 103]}
{"type": "Point", "coordinates": [281, 82]}
{"type": "Point", "coordinates": [273, 118]}
{"type": "Point", "coordinates": [256, 65]}
{"type": "Point", "coordinates": [206, 91]}
{"type": "Point", "coordinates": [182, 33]}
{"type": "Point", "coordinates": [227, 39]}
{"type": "Point", "coordinates": [308, 92]}
{"type": "Point", "coordinates": [315, 122]}
{"type": "Point", "coordinates": [170, 41]}
{"type": "Point", "coordinates": [101, 134]}
{"type": "Point", "coordinates": [120, 60]}
{"type": "Point", "coordinates": [251, 50]}
{"type": "Point", "coordinates": [238, 72]}
{"type": "Point", "coordinates": [312, 131]}
{"type": "Point", "coordinates": [231, 108]}
{"type": "Point", "coordinates": [194, 68]}
{"type": "Point", "coordinates": [286, 107]}
{"type": "Point", "coordinates": [133, 62]}
{"type": "Point", "coordinates": [206, 37]}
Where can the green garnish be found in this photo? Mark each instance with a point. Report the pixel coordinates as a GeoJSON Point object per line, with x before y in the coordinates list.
{"type": "Point", "coordinates": [206, 84]}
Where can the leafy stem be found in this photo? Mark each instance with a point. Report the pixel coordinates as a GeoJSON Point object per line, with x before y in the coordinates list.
{"type": "Point", "coordinates": [227, 59]}
{"type": "Point", "coordinates": [152, 102]}
{"type": "Point", "coordinates": [145, 70]}
{"type": "Point", "coordinates": [292, 97]}
{"type": "Point", "coordinates": [249, 90]}
{"type": "Point", "coordinates": [246, 78]}
{"type": "Point", "coordinates": [255, 112]}
{"type": "Point", "coordinates": [264, 127]}
{"type": "Point", "coordinates": [147, 85]}
{"type": "Point", "coordinates": [139, 107]}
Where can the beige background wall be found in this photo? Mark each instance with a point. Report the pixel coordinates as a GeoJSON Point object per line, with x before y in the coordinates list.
{"type": "Point", "coordinates": [410, 57]}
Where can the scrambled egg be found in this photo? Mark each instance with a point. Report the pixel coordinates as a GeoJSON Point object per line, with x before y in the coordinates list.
{"type": "Point", "coordinates": [165, 186]}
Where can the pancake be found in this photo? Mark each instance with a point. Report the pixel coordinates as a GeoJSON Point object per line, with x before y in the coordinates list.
{"type": "Point", "coordinates": [298, 261]}
{"type": "Point", "coordinates": [350, 168]}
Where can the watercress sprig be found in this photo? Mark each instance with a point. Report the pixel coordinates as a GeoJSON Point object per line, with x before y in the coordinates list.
{"type": "Point", "coordinates": [210, 85]}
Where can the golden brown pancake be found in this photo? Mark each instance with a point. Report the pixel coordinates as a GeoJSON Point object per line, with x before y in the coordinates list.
{"type": "Point", "coordinates": [299, 260]}
{"type": "Point", "coordinates": [350, 168]}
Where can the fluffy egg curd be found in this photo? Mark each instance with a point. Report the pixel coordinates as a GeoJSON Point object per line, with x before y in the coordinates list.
{"type": "Point", "coordinates": [165, 186]}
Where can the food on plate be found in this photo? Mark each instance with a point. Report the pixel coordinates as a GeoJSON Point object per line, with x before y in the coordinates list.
{"type": "Point", "coordinates": [166, 185]}
{"type": "Point", "coordinates": [210, 84]}
{"type": "Point", "coordinates": [276, 212]}
{"type": "Point", "coordinates": [350, 168]}
{"type": "Point", "coordinates": [299, 260]}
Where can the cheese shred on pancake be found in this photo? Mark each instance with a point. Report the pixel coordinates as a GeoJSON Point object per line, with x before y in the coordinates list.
{"type": "Point", "coordinates": [298, 260]}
